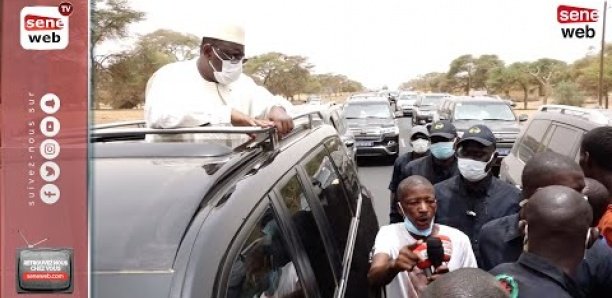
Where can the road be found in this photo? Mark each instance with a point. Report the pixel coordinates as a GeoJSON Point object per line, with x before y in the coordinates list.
{"type": "Point", "coordinates": [375, 173]}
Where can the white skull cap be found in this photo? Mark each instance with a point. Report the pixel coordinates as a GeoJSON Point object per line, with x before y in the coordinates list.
{"type": "Point", "coordinates": [224, 30]}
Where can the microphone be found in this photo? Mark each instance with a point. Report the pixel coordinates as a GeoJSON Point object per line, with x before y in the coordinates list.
{"type": "Point", "coordinates": [435, 251]}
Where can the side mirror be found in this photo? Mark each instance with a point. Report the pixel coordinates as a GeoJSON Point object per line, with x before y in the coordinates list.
{"type": "Point", "coordinates": [523, 118]}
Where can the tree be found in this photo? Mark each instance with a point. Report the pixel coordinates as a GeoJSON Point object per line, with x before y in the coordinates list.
{"type": "Point", "coordinates": [122, 82]}
{"type": "Point", "coordinates": [567, 93]}
{"type": "Point", "coordinates": [483, 67]}
{"type": "Point", "coordinates": [110, 18]}
{"type": "Point", "coordinates": [279, 73]}
{"type": "Point", "coordinates": [462, 68]}
{"type": "Point", "coordinates": [546, 71]}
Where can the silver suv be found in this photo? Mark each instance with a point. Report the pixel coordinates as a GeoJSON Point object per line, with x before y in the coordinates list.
{"type": "Point", "coordinates": [553, 128]}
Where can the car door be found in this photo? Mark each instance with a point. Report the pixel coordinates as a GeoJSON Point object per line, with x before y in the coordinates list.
{"type": "Point", "coordinates": [564, 139]}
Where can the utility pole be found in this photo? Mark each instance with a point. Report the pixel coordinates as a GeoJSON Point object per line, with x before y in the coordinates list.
{"type": "Point", "coordinates": [601, 57]}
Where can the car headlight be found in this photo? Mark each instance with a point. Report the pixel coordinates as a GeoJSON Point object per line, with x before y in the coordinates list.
{"type": "Point", "coordinates": [390, 130]}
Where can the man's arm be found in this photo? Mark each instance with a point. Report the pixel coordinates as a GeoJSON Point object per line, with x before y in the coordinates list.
{"type": "Point", "coordinates": [384, 269]}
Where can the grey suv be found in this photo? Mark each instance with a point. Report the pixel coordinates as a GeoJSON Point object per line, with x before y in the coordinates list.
{"type": "Point", "coordinates": [373, 124]}
{"type": "Point", "coordinates": [466, 111]}
{"type": "Point", "coordinates": [554, 128]}
{"type": "Point", "coordinates": [228, 216]}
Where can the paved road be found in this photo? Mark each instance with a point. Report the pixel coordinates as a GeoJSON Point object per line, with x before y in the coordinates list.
{"type": "Point", "coordinates": [375, 173]}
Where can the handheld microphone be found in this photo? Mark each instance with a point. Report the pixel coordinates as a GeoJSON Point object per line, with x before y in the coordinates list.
{"type": "Point", "coordinates": [435, 251]}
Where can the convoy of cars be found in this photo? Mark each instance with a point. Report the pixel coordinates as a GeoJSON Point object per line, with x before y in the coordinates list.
{"type": "Point", "coordinates": [292, 209]}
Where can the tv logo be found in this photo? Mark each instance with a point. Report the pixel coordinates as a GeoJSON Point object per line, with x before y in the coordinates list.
{"type": "Point", "coordinates": [43, 28]}
{"type": "Point", "coordinates": [573, 15]}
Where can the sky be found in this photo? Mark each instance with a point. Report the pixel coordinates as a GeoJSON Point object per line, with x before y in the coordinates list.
{"type": "Point", "coordinates": [381, 42]}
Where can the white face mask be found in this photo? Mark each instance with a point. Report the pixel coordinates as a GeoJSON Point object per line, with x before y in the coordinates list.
{"type": "Point", "coordinates": [473, 170]}
{"type": "Point", "coordinates": [230, 71]}
{"type": "Point", "coordinates": [420, 145]}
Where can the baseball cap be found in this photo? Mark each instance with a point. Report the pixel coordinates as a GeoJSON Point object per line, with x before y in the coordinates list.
{"type": "Point", "coordinates": [443, 129]}
{"type": "Point", "coordinates": [419, 129]}
{"type": "Point", "coordinates": [479, 133]}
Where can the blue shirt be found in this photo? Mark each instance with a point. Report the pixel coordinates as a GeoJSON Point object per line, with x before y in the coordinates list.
{"type": "Point", "coordinates": [595, 272]}
{"type": "Point", "coordinates": [537, 278]}
{"type": "Point", "coordinates": [469, 208]}
{"type": "Point", "coordinates": [500, 241]}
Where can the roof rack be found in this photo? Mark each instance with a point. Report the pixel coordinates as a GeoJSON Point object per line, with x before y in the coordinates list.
{"type": "Point", "coordinates": [265, 137]}
{"type": "Point", "coordinates": [592, 115]}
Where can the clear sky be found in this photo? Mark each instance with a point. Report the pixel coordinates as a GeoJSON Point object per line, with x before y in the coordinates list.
{"type": "Point", "coordinates": [382, 42]}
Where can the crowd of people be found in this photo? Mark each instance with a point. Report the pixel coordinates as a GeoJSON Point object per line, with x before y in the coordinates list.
{"type": "Point", "coordinates": [549, 239]}
{"type": "Point", "coordinates": [552, 238]}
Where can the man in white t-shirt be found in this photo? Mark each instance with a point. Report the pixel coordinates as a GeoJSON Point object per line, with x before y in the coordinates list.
{"type": "Point", "coordinates": [395, 261]}
{"type": "Point", "coordinates": [211, 89]}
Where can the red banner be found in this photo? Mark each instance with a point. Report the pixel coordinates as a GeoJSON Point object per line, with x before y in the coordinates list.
{"type": "Point", "coordinates": [43, 122]}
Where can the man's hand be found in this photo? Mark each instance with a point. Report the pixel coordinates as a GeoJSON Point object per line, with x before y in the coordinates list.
{"type": "Point", "coordinates": [442, 269]}
{"type": "Point", "coordinates": [241, 119]}
{"type": "Point", "coordinates": [407, 259]}
{"type": "Point", "coordinates": [282, 120]}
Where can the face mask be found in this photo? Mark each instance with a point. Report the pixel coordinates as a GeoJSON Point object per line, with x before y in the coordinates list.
{"type": "Point", "coordinates": [420, 145]}
{"type": "Point", "coordinates": [473, 170]}
{"type": "Point", "coordinates": [412, 229]}
{"type": "Point", "coordinates": [230, 71]}
{"type": "Point", "coordinates": [442, 150]}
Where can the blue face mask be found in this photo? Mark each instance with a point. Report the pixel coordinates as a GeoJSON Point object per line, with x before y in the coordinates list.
{"type": "Point", "coordinates": [442, 150]}
{"type": "Point", "coordinates": [412, 229]}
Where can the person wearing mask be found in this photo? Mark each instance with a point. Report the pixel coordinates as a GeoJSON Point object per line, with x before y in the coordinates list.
{"type": "Point", "coordinates": [212, 90]}
{"type": "Point", "coordinates": [419, 141]}
{"type": "Point", "coordinates": [395, 261]}
{"type": "Point", "coordinates": [595, 152]}
{"type": "Point", "coordinates": [501, 240]}
{"type": "Point", "coordinates": [439, 165]}
{"type": "Point", "coordinates": [557, 221]}
{"type": "Point", "coordinates": [475, 197]}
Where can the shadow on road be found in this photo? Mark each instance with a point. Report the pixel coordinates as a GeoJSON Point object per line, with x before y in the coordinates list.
{"type": "Point", "coordinates": [375, 161]}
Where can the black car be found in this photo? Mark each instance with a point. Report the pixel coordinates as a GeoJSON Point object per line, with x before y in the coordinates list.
{"type": "Point", "coordinates": [225, 215]}
{"type": "Point", "coordinates": [466, 111]}
{"type": "Point", "coordinates": [373, 124]}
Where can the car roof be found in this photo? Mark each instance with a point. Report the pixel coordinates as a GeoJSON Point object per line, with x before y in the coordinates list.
{"type": "Point", "coordinates": [143, 204]}
{"type": "Point", "coordinates": [586, 118]}
{"type": "Point", "coordinates": [368, 100]}
{"type": "Point", "coordinates": [477, 99]}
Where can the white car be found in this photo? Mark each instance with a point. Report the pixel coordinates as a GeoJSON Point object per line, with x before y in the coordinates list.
{"type": "Point", "coordinates": [406, 101]}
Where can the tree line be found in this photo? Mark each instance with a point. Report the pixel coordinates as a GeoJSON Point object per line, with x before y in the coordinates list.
{"type": "Point", "coordinates": [543, 78]}
{"type": "Point", "coordinates": [119, 79]}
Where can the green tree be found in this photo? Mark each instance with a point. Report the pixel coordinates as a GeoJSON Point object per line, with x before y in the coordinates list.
{"type": "Point", "coordinates": [110, 19]}
{"type": "Point", "coordinates": [567, 93]}
{"type": "Point", "coordinates": [279, 73]}
{"type": "Point", "coordinates": [123, 80]}
{"type": "Point", "coordinates": [546, 72]}
{"type": "Point", "coordinates": [484, 65]}
{"type": "Point", "coordinates": [462, 70]}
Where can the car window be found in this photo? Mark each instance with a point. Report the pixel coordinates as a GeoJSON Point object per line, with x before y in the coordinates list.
{"type": "Point", "coordinates": [367, 110]}
{"type": "Point", "coordinates": [483, 111]}
{"type": "Point", "coordinates": [532, 139]}
{"type": "Point", "coordinates": [564, 140]}
{"type": "Point", "coordinates": [328, 187]}
{"type": "Point", "coordinates": [263, 267]}
{"type": "Point", "coordinates": [300, 211]}
{"type": "Point", "coordinates": [346, 168]}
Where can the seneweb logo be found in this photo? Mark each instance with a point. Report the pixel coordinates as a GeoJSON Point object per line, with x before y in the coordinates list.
{"type": "Point", "coordinates": [44, 28]}
{"type": "Point", "coordinates": [572, 15]}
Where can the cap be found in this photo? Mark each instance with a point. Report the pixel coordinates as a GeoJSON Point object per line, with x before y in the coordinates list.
{"type": "Point", "coordinates": [419, 129]}
{"type": "Point", "coordinates": [479, 133]}
{"type": "Point", "coordinates": [228, 31]}
{"type": "Point", "coordinates": [443, 129]}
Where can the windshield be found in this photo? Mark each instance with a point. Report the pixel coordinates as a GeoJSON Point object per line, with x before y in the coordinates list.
{"type": "Point", "coordinates": [408, 97]}
{"type": "Point", "coordinates": [483, 111]}
{"type": "Point", "coordinates": [355, 111]}
{"type": "Point", "coordinates": [431, 100]}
